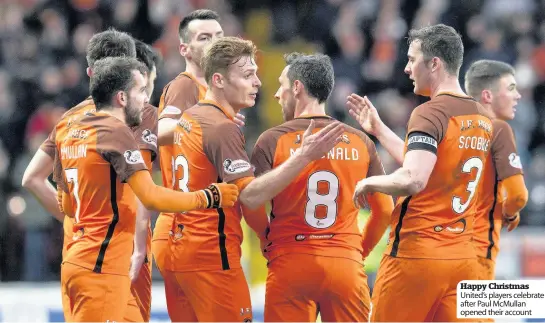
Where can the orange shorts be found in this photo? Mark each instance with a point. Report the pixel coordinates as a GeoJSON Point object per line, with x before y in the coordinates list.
{"type": "Point", "coordinates": [214, 296]}
{"type": "Point", "coordinates": [139, 306]}
{"type": "Point", "coordinates": [335, 287]}
{"type": "Point", "coordinates": [94, 297]}
{"type": "Point", "coordinates": [65, 299]}
{"type": "Point", "coordinates": [161, 254]}
{"type": "Point", "coordinates": [487, 268]}
{"type": "Point", "coordinates": [425, 286]}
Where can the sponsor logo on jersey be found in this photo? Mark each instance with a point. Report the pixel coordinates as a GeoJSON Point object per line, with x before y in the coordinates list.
{"type": "Point", "coordinates": [300, 237]}
{"type": "Point", "coordinates": [514, 161]}
{"type": "Point", "coordinates": [457, 227]}
{"type": "Point", "coordinates": [236, 166]}
{"type": "Point", "coordinates": [149, 137]}
{"type": "Point", "coordinates": [133, 157]}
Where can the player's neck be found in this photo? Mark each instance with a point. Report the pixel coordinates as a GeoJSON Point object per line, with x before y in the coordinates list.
{"type": "Point", "coordinates": [488, 108]}
{"type": "Point", "coordinates": [448, 84]}
{"type": "Point", "coordinates": [114, 112]}
{"type": "Point", "coordinates": [195, 70]}
{"type": "Point", "coordinates": [308, 108]}
{"type": "Point", "coordinates": [219, 98]}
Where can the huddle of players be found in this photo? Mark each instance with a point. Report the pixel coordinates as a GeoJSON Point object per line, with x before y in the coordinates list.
{"type": "Point", "coordinates": [460, 178]}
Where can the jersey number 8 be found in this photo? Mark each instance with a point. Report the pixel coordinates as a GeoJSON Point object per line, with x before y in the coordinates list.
{"type": "Point", "coordinates": [316, 199]}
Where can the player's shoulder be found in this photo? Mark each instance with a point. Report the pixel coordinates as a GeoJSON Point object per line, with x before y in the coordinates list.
{"type": "Point", "coordinates": [149, 112]}
{"type": "Point", "coordinates": [85, 106]}
{"type": "Point", "coordinates": [183, 81]}
{"type": "Point", "coordinates": [499, 124]}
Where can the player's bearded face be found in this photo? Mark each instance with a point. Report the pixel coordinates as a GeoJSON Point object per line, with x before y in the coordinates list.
{"type": "Point", "coordinates": [505, 98]}
{"type": "Point", "coordinates": [241, 83]}
{"type": "Point", "coordinates": [285, 97]}
{"type": "Point", "coordinates": [137, 97]}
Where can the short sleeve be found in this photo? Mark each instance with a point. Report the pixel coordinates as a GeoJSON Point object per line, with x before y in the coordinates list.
{"type": "Point", "coordinates": [118, 146]}
{"type": "Point", "coordinates": [48, 146]}
{"type": "Point", "coordinates": [263, 153]}
{"type": "Point", "coordinates": [504, 151]}
{"type": "Point", "coordinates": [427, 127]}
{"type": "Point", "coordinates": [180, 95]}
{"type": "Point", "coordinates": [146, 133]}
{"type": "Point", "coordinates": [225, 149]}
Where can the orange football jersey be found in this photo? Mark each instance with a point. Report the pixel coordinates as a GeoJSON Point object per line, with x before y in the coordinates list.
{"type": "Point", "coordinates": [179, 95]}
{"type": "Point", "coordinates": [437, 223]}
{"type": "Point", "coordinates": [315, 214]}
{"type": "Point", "coordinates": [208, 148]}
{"type": "Point", "coordinates": [94, 157]}
{"type": "Point", "coordinates": [145, 135]}
{"type": "Point", "coordinates": [502, 162]}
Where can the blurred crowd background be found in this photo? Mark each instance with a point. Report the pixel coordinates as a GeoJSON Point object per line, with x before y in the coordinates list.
{"type": "Point", "coordinates": [42, 73]}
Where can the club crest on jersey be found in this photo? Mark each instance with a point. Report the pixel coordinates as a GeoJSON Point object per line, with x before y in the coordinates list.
{"type": "Point", "coordinates": [177, 234]}
{"type": "Point", "coordinates": [133, 157]}
{"type": "Point", "coordinates": [149, 137]}
{"type": "Point", "coordinates": [236, 166]}
{"type": "Point", "coordinates": [514, 161]}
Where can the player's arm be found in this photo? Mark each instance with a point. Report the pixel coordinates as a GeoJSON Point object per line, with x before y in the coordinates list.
{"type": "Point", "coordinates": [381, 205]}
{"type": "Point", "coordinates": [314, 146]}
{"type": "Point", "coordinates": [162, 199]}
{"type": "Point", "coordinates": [256, 219]}
{"type": "Point", "coordinates": [509, 173]}
{"type": "Point", "coordinates": [177, 97]}
{"type": "Point", "coordinates": [516, 196]}
{"type": "Point", "coordinates": [143, 217]}
{"type": "Point", "coordinates": [36, 174]}
{"type": "Point", "coordinates": [410, 179]}
{"type": "Point", "coordinates": [426, 129]}
{"type": "Point", "coordinates": [365, 113]}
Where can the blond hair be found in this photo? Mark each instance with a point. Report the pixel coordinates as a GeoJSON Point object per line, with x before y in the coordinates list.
{"type": "Point", "coordinates": [223, 52]}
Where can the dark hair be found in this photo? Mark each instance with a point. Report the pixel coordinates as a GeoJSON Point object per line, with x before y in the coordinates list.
{"type": "Point", "coordinates": [224, 52]}
{"type": "Point", "coordinates": [200, 14]}
{"type": "Point", "coordinates": [440, 41]}
{"type": "Point", "coordinates": [109, 43]}
{"type": "Point", "coordinates": [111, 75]}
{"type": "Point", "coordinates": [484, 74]}
{"type": "Point", "coordinates": [314, 71]}
{"type": "Point", "coordinates": [146, 54]}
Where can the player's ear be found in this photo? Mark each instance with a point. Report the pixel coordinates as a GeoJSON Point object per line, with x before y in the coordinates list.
{"type": "Point", "coordinates": [486, 96]}
{"type": "Point", "coordinates": [121, 98]}
{"type": "Point", "coordinates": [184, 49]}
{"type": "Point", "coordinates": [435, 62]}
{"type": "Point", "coordinates": [297, 87]}
{"type": "Point", "coordinates": [217, 80]}
{"type": "Point", "coordinates": [89, 72]}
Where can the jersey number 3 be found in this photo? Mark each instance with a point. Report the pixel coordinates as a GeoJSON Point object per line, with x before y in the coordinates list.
{"type": "Point", "coordinates": [471, 163]}
{"type": "Point", "coordinates": [316, 199]}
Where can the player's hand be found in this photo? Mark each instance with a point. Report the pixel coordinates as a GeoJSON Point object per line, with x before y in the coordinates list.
{"type": "Point", "coordinates": [365, 113]}
{"type": "Point", "coordinates": [221, 195]}
{"type": "Point", "coordinates": [315, 146]}
{"type": "Point", "coordinates": [359, 197]}
{"type": "Point", "coordinates": [511, 222]}
{"type": "Point", "coordinates": [239, 120]}
{"type": "Point", "coordinates": [137, 260]}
